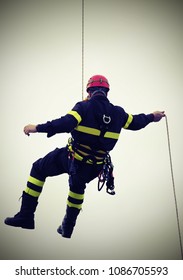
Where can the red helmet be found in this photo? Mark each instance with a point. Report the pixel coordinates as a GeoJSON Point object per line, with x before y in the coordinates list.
{"type": "Point", "coordinates": [97, 81]}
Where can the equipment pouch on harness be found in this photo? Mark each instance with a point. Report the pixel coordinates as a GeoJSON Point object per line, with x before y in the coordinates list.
{"type": "Point", "coordinates": [106, 176]}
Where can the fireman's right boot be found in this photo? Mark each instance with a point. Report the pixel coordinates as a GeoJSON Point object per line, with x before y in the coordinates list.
{"type": "Point", "coordinates": [25, 217]}
{"type": "Point", "coordinates": [68, 223]}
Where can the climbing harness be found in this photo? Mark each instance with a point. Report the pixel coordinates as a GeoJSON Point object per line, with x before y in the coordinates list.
{"type": "Point", "coordinates": [106, 176]}
{"type": "Point", "coordinates": [85, 153]}
{"type": "Point", "coordinates": [173, 185]}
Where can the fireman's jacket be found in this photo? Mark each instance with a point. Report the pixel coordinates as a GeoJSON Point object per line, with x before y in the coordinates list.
{"type": "Point", "coordinates": [95, 124]}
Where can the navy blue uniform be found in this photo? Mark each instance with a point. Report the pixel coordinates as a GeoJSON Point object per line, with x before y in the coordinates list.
{"type": "Point", "coordinates": [95, 126]}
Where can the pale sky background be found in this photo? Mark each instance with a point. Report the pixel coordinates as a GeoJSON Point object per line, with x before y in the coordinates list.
{"type": "Point", "coordinates": [138, 46]}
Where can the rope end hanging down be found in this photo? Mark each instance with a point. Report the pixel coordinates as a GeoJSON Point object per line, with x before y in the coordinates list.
{"type": "Point", "coordinates": [173, 185]}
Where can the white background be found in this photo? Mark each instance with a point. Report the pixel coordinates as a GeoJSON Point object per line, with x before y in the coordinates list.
{"type": "Point", "coordinates": [137, 45]}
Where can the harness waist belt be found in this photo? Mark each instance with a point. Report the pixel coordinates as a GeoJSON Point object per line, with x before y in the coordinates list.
{"type": "Point", "coordinates": [83, 152]}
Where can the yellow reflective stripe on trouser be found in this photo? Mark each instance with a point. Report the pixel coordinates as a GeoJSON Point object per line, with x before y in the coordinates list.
{"type": "Point", "coordinates": [32, 192]}
{"type": "Point", "coordinates": [129, 120]}
{"type": "Point", "coordinates": [76, 116]}
{"type": "Point", "coordinates": [76, 195]}
{"type": "Point", "coordinates": [36, 181]}
{"type": "Point", "coordinates": [70, 204]}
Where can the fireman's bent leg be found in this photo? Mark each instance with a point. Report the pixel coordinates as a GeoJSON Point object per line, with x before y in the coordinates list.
{"type": "Point", "coordinates": [52, 164]}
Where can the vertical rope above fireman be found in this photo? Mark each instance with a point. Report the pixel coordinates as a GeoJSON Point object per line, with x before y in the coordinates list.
{"type": "Point", "coordinates": [174, 191]}
{"type": "Point", "coordinates": [82, 47]}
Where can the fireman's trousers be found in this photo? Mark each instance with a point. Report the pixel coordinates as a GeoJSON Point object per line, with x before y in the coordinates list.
{"type": "Point", "coordinates": [56, 163]}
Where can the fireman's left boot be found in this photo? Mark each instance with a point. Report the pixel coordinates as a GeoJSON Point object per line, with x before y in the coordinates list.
{"type": "Point", "coordinates": [25, 217]}
{"type": "Point", "coordinates": [69, 221]}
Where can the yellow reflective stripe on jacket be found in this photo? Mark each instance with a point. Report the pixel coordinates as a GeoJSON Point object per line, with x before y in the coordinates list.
{"type": "Point", "coordinates": [32, 192]}
{"type": "Point", "coordinates": [76, 195]}
{"type": "Point", "coordinates": [96, 132]}
{"type": "Point", "coordinates": [88, 130]}
{"type": "Point", "coordinates": [76, 116]}
{"type": "Point", "coordinates": [112, 135]}
{"type": "Point", "coordinates": [36, 181]}
{"type": "Point", "coordinates": [129, 120]}
{"type": "Point", "coordinates": [70, 204]}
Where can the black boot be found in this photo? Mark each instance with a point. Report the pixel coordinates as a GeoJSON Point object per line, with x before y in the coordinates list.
{"type": "Point", "coordinates": [68, 222]}
{"type": "Point", "coordinates": [24, 218]}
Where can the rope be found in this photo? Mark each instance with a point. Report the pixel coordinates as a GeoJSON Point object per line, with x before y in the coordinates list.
{"type": "Point", "coordinates": [173, 184]}
{"type": "Point", "coordinates": [82, 51]}
{"type": "Point", "coordinates": [167, 129]}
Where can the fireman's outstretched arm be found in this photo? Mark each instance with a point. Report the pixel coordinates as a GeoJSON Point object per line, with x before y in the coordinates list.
{"type": "Point", "coordinates": [137, 122]}
{"type": "Point", "coordinates": [64, 124]}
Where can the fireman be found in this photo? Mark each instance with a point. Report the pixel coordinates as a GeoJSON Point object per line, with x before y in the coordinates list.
{"type": "Point", "coordinates": [95, 125]}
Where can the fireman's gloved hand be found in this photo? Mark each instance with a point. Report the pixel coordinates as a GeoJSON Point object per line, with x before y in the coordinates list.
{"type": "Point", "coordinates": [158, 115]}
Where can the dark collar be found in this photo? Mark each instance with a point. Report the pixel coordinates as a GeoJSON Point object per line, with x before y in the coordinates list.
{"type": "Point", "coordinates": [99, 96]}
